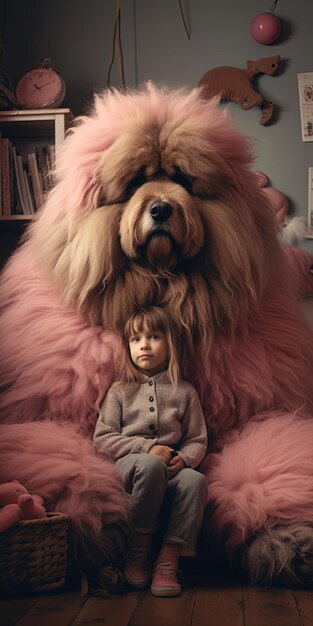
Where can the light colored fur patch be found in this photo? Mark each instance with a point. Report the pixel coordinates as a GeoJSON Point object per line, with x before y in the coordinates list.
{"type": "Point", "coordinates": [281, 554]}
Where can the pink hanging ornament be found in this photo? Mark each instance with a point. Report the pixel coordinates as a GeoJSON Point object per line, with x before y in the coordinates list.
{"type": "Point", "coordinates": [266, 27]}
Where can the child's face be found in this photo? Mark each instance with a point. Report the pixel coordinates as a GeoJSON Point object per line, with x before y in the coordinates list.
{"type": "Point", "coordinates": [148, 351]}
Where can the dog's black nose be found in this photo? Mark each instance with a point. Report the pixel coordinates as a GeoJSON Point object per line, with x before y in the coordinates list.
{"type": "Point", "coordinates": [160, 211]}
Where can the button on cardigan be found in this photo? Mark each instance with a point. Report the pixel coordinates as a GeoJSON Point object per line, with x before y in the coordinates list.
{"type": "Point", "coordinates": [127, 425]}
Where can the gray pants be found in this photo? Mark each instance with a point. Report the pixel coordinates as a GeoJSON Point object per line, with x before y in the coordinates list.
{"type": "Point", "coordinates": [146, 478]}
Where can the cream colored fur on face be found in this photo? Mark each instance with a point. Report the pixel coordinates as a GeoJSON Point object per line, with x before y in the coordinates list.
{"type": "Point", "coordinates": [208, 261]}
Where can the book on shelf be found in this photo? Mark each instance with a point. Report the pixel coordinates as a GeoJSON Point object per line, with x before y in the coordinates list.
{"type": "Point", "coordinates": [5, 176]}
{"type": "Point", "coordinates": [18, 189]}
{"type": "Point", "coordinates": [42, 166]}
{"type": "Point", "coordinates": [35, 179]}
{"type": "Point", "coordinates": [29, 193]}
{"type": "Point", "coordinates": [22, 184]}
{"type": "Point", "coordinates": [50, 163]}
{"type": "Point", "coordinates": [16, 209]}
{"type": "Point", "coordinates": [45, 158]}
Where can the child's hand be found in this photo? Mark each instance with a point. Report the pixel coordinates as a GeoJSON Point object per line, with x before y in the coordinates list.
{"type": "Point", "coordinates": [176, 465]}
{"type": "Point", "coordinates": [164, 451]}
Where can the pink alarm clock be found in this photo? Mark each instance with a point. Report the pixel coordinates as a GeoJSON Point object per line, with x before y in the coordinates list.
{"type": "Point", "coordinates": [41, 87]}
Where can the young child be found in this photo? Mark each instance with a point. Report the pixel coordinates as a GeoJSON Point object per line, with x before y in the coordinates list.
{"type": "Point", "coordinates": [151, 424]}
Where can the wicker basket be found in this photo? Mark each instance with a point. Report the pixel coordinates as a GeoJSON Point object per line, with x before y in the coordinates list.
{"type": "Point", "coordinates": [33, 554]}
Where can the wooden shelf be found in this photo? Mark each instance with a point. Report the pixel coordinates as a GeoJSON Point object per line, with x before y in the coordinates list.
{"type": "Point", "coordinates": [15, 218]}
{"type": "Point", "coordinates": [34, 112]}
{"type": "Point", "coordinates": [39, 124]}
{"type": "Point", "coordinates": [26, 129]}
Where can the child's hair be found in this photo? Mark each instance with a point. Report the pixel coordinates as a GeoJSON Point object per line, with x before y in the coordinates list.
{"type": "Point", "coordinates": [156, 319]}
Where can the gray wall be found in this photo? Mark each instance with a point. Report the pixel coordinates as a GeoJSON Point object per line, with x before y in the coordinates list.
{"type": "Point", "coordinates": [77, 35]}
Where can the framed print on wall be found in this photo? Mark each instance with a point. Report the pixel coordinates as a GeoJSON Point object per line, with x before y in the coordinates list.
{"type": "Point", "coordinates": [310, 204]}
{"type": "Point", "coordinates": [305, 87]}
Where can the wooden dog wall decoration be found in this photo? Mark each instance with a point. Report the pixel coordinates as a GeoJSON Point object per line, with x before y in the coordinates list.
{"type": "Point", "coordinates": [235, 84]}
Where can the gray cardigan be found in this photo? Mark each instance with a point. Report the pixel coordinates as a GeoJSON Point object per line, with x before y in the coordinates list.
{"type": "Point", "coordinates": [134, 418]}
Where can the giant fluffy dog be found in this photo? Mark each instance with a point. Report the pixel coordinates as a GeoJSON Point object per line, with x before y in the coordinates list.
{"type": "Point", "coordinates": [155, 202]}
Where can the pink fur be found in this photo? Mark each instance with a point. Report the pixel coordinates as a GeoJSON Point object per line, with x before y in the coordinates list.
{"type": "Point", "coordinates": [54, 461]}
{"type": "Point", "coordinates": [255, 382]}
{"type": "Point", "coordinates": [256, 483]}
{"type": "Point", "coordinates": [264, 364]}
{"type": "Point", "coordinates": [64, 364]}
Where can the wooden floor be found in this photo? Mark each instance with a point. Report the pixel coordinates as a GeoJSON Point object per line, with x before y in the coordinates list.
{"type": "Point", "coordinates": [205, 600]}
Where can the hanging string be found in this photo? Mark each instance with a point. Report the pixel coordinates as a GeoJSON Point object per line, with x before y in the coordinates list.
{"type": "Point", "coordinates": [120, 51]}
{"type": "Point", "coordinates": [183, 18]}
{"type": "Point", "coordinates": [112, 56]}
{"type": "Point", "coordinates": [117, 42]}
{"type": "Point", "coordinates": [273, 7]}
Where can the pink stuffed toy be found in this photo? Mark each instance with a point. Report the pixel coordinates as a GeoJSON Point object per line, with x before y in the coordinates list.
{"type": "Point", "coordinates": [291, 230]}
{"type": "Point", "coordinates": [17, 504]}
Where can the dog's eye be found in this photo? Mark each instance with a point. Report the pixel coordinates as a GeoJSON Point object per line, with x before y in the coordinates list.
{"type": "Point", "coordinates": [139, 180]}
{"type": "Point", "coordinates": [129, 189]}
{"type": "Point", "coordinates": [181, 179]}
{"type": "Point", "coordinates": [135, 183]}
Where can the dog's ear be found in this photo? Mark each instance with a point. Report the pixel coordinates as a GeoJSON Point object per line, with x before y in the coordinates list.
{"type": "Point", "coordinates": [83, 255]}
{"type": "Point", "coordinates": [240, 247]}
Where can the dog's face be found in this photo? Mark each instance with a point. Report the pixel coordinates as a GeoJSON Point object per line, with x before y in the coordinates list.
{"type": "Point", "coordinates": [161, 224]}
{"type": "Point", "coordinates": [154, 187]}
{"type": "Point", "coordinates": [160, 175]}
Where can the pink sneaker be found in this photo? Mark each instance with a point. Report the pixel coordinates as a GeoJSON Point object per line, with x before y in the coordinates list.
{"type": "Point", "coordinates": [164, 582]}
{"type": "Point", "coordinates": [138, 568]}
